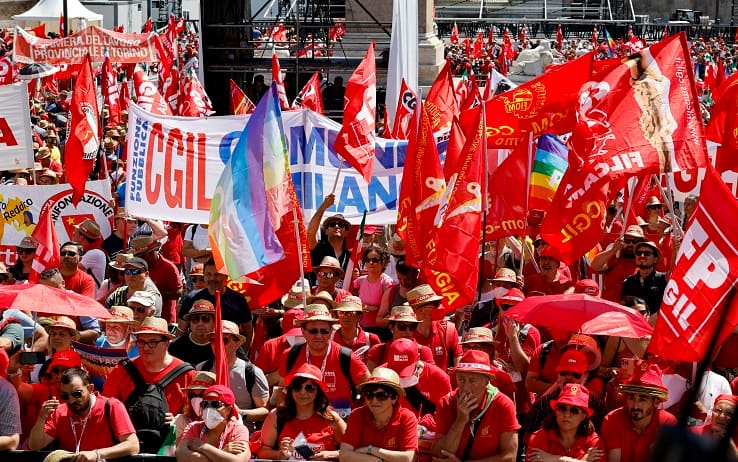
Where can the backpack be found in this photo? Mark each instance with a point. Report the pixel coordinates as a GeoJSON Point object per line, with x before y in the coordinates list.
{"type": "Point", "coordinates": [344, 360]}
{"type": "Point", "coordinates": [249, 374]}
{"type": "Point", "coordinates": [147, 406]}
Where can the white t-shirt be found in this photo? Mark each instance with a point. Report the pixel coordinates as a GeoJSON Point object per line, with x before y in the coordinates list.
{"type": "Point", "coordinates": [95, 261]}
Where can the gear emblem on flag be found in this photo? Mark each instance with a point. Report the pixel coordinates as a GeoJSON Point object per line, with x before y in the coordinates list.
{"type": "Point", "coordinates": [525, 103]}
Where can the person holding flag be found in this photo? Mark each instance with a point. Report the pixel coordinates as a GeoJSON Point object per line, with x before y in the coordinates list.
{"type": "Point", "coordinates": [332, 242]}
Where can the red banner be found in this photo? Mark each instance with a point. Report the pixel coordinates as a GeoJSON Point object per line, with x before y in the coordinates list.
{"type": "Point", "coordinates": [240, 103]}
{"type": "Point", "coordinates": [110, 92]}
{"type": "Point", "coordinates": [441, 102]}
{"type": "Point", "coordinates": [507, 192]}
{"type": "Point", "coordinates": [702, 284]}
{"type": "Point", "coordinates": [95, 41]}
{"type": "Point", "coordinates": [405, 109]}
{"type": "Point", "coordinates": [147, 96]}
{"type": "Point", "coordinates": [310, 97]}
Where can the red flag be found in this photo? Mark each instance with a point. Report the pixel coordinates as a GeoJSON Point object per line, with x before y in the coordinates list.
{"type": "Point", "coordinates": [701, 287]}
{"type": "Point", "coordinates": [507, 194]}
{"type": "Point", "coordinates": [277, 80]}
{"type": "Point", "coordinates": [164, 51]}
{"type": "Point", "coordinates": [355, 140]}
{"type": "Point", "coordinates": [62, 32]}
{"type": "Point", "coordinates": [631, 35]}
{"type": "Point", "coordinates": [467, 46]}
{"type": "Point", "coordinates": [560, 38]}
{"type": "Point", "coordinates": [310, 96]}
{"type": "Point", "coordinates": [421, 190]}
{"type": "Point", "coordinates": [710, 77]}
{"type": "Point", "coordinates": [452, 254]}
{"type": "Point", "coordinates": [240, 103]}
{"type": "Point", "coordinates": [39, 31]}
{"type": "Point", "coordinates": [148, 27]}
{"type": "Point", "coordinates": [169, 88]}
{"type": "Point", "coordinates": [490, 36]}
{"type": "Point", "coordinates": [147, 96]}
{"type": "Point", "coordinates": [403, 114]}
{"type": "Point", "coordinates": [644, 188]}
{"type": "Point", "coordinates": [7, 71]}
{"type": "Point", "coordinates": [456, 142]}
{"type": "Point", "coordinates": [194, 100]}
{"type": "Point", "coordinates": [110, 92]}
{"type": "Point", "coordinates": [84, 138]}
{"type": "Point", "coordinates": [595, 37]}
{"type": "Point", "coordinates": [454, 34]}
{"type": "Point", "coordinates": [724, 124]}
{"type": "Point", "coordinates": [47, 253]}
{"type": "Point", "coordinates": [523, 34]}
{"type": "Point", "coordinates": [337, 31]}
{"type": "Point", "coordinates": [478, 46]}
{"type": "Point", "coordinates": [441, 102]}
{"type": "Point", "coordinates": [222, 371]}
{"type": "Point", "coordinates": [719, 78]}
{"type": "Point", "coordinates": [124, 94]}
{"type": "Point", "coordinates": [120, 29]}
{"type": "Point", "coordinates": [48, 84]}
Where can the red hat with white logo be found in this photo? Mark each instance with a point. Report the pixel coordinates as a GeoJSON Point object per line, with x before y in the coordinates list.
{"type": "Point", "coordinates": [402, 356]}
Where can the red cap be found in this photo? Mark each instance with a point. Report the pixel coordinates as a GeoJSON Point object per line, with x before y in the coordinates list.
{"type": "Point", "coordinates": [224, 394]}
{"type": "Point", "coordinates": [402, 356]}
{"type": "Point", "coordinates": [587, 286]}
{"type": "Point", "coordinates": [573, 361]}
{"type": "Point", "coordinates": [646, 380]}
{"type": "Point", "coordinates": [65, 358]}
{"type": "Point", "coordinates": [307, 371]}
{"type": "Point", "coordinates": [731, 398]}
{"type": "Point", "coordinates": [512, 297]}
{"type": "Point", "coordinates": [574, 394]}
{"type": "Point", "coordinates": [551, 252]}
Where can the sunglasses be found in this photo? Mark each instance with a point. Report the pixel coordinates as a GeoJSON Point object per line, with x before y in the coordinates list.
{"type": "Point", "coordinates": [66, 253]}
{"type": "Point", "coordinates": [347, 314]}
{"type": "Point", "coordinates": [654, 206]}
{"type": "Point", "coordinates": [630, 241]}
{"type": "Point", "coordinates": [24, 250]}
{"type": "Point", "coordinates": [76, 394]}
{"type": "Point", "coordinates": [406, 327]}
{"type": "Point", "coordinates": [570, 409]}
{"type": "Point", "coordinates": [644, 253]}
{"type": "Point", "coordinates": [201, 318]}
{"type": "Point", "coordinates": [335, 224]}
{"type": "Point", "coordinates": [198, 279]}
{"type": "Point", "coordinates": [575, 375]}
{"type": "Point", "coordinates": [326, 274]}
{"type": "Point", "coordinates": [380, 395]}
{"type": "Point", "coordinates": [150, 343]}
{"type": "Point", "coordinates": [307, 387]}
{"type": "Point", "coordinates": [133, 272]}
{"type": "Point", "coordinates": [227, 340]}
{"type": "Point", "coordinates": [214, 403]}
{"type": "Point", "coordinates": [373, 260]}
{"type": "Point", "coordinates": [317, 331]}
{"type": "Point", "coordinates": [141, 310]}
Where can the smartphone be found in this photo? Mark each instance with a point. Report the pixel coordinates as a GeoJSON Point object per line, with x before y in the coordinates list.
{"type": "Point", "coordinates": [304, 451]}
{"type": "Point", "coordinates": [32, 357]}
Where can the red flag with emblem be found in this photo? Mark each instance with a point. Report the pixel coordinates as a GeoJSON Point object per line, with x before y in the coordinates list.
{"type": "Point", "coordinates": [194, 102]}
{"type": "Point", "coordinates": [337, 31]}
{"type": "Point", "coordinates": [277, 80]}
{"type": "Point", "coordinates": [110, 92]}
{"type": "Point", "coordinates": [699, 301]}
{"type": "Point", "coordinates": [84, 138]}
{"type": "Point", "coordinates": [452, 254]}
{"type": "Point", "coordinates": [422, 186]}
{"type": "Point", "coordinates": [456, 142]}
{"type": "Point", "coordinates": [355, 140]}
{"type": "Point", "coordinates": [478, 46]}
{"type": "Point", "coordinates": [723, 125]}
{"type": "Point", "coordinates": [310, 96]}
{"type": "Point", "coordinates": [147, 96]}
{"type": "Point", "coordinates": [7, 71]}
{"type": "Point", "coordinates": [148, 27]}
{"type": "Point", "coordinates": [441, 102]}
{"type": "Point", "coordinates": [454, 34]}
{"type": "Point", "coordinates": [47, 253]}
{"type": "Point", "coordinates": [403, 114]}
{"type": "Point", "coordinates": [124, 95]}
{"type": "Point", "coordinates": [240, 103]}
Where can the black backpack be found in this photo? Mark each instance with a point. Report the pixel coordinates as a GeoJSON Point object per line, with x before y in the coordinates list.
{"type": "Point", "coordinates": [344, 360]}
{"type": "Point", "coordinates": [147, 406]}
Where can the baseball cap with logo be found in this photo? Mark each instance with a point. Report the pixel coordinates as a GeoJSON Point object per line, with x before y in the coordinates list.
{"type": "Point", "coordinates": [66, 359]}
{"type": "Point", "coordinates": [587, 286]}
{"type": "Point", "coordinates": [402, 356]}
{"type": "Point", "coordinates": [573, 361]}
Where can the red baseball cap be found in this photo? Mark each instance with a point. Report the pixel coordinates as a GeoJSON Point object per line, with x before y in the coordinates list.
{"type": "Point", "coordinates": [587, 286]}
{"type": "Point", "coordinates": [573, 361]}
{"type": "Point", "coordinates": [66, 359]}
{"type": "Point", "coordinates": [224, 394]}
{"type": "Point", "coordinates": [402, 356]}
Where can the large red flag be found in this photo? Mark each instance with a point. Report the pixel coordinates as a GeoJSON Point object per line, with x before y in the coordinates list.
{"type": "Point", "coordinates": [39, 31]}
{"type": "Point", "coordinates": [719, 78]}
{"type": "Point", "coordinates": [194, 102]}
{"type": "Point", "coordinates": [84, 138]}
{"type": "Point", "coordinates": [452, 255]}
{"type": "Point", "coordinates": [699, 301]}
{"type": "Point", "coordinates": [148, 27]}
{"type": "Point", "coordinates": [222, 371]}
{"type": "Point", "coordinates": [47, 253]}
{"type": "Point", "coordinates": [310, 96]}
{"type": "Point", "coordinates": [723, 125]}
{"type": "Point", "coordinates": [124, 94]}
{"type": "Point", "coordinates": [644, 188]}
{"type": "Point", "coordinates": [441, 102]}
{"type": "Point", "coordinates": [454, 34]}
{"type": "Point", "coordinates": [507, 193]}
{"type": "Point", "coordinates": [277, 80]}
{"type": "Point", "coordinates": [456, 142]}
{"type": "Point", "coordinates": [560, 38]}
{"type": "Point", "coordinates": [147, 96]}
{"type": "Point", "coordinates": [355, 140]}
{"type": "Point", "coordinates": [403, 114]}
{"type": "Point", "coordinates": [240, 103]}
{"type": "Point", "coordinates": [169, 85]}
{"type": "Point", "coordinates": [422, 186]}
{"type": "Point", "coordinates": [110, 92]}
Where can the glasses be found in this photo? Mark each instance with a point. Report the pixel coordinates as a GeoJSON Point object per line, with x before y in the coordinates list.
{"type": "Point", "coordinates": [723, 412]}
{"type": "Point", "coordinates": [201, 318]}
{"type": "Point", "coordinates": [334, 224]}
{"type": "Point", "coordinates": [630, 241]}
{"type": "Point", "coordinates": [214, 403]}
{"type": "Point", "coordinates": [67, 253]}
{"type": "Point", "coordinates": [326, 274]}
{"type": "Point", "coordinates": [194, 395]}
{"type": "Point", "coordinates": [570, 409]}
{"type": "Point", "coordinates": [576, 375]}
{"type": "Point", "coordinates": [655, 206]}
{"type": "Point", "coordinates": [227, 340]}
{"type": "Point", "coordinates": [644, 253]}
{"type": "Point", "coordinates": [141, 310]}
{"type": "Point", "coordinates": [346, 314]}
{"type": "Point", "coordinates": [24, 250]}
{"type": "Point", "coordinates": [373, 260]}
{"type": "Point", "coordinates": [150, 343]}
{"type": "Point", "coordinates": [76, 394]}
{"type": "Point", "coordinates": [380, 395]}
{"type": "Point", "coordinates": [133, 272]}
{"type": "Point", "coordinates": [307, 387]}
{"type": "Point", "coordinates": [317, 331]}
{"type": "Point", "coordinates": [406, 327]}
{"type": "Point", "coordinates": [198, 279]}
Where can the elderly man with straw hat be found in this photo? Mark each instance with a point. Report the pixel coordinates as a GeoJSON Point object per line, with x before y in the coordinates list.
{"type": "Point", "coordinates": [117, 331]}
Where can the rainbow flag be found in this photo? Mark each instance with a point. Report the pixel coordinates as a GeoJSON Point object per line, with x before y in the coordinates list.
{"type": "Point", "coordinates": [252, 194]}
{"type": "Point", "coordinates": [549, 165]}
{"type": "Point", "coordinates": [610, 44]}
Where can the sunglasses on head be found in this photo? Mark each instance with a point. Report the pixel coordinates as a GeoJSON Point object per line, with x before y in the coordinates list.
{"type": "Point", "coordinates": [570, 409]}
{"type": "Point", "coordinates": [76, 394]}
{"type": "Point", "coordinates": [575, 375]}
{"type": "Point", "coordinates": [406, 327]}
{"type": "Point", "coordinates": [334, 224]}
{"type": "Point", "coordinates": [214, 403]}
{"type": "Point", "coordinates": [327, 274]}
{"type": "Point", "coordinates": [317, 331]}
{"type": "Point", "coordinates": [644, 253]}
{"type": "Point", "coordinates": [133, 272]}
{"type": "Point", "coordinates": [67, 253]}
{"type": "Point", "coordinates": [201, 318]}
{"type": "Point", "coordinates": [24, 250]}
{"type": "Point", "coordinates": [379, 395]}
{"type": "Point", "coordinates": [307, 387]}
{"type": "Point", "coordinates": [373, 260]}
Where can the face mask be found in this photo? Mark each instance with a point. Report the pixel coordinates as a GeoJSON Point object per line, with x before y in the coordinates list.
{"type": "Point", "coordinates": [295, 340]}
{"type": "Point", "coordinates": [500, 292]}
{"type": "Point", "coordinates": [406, 382]}
{"type": "Point", "coordinates": [195, 403]}
{"type": "Point", "coordinates": [212, 417]}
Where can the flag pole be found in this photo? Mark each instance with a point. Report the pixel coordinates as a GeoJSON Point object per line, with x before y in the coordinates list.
{"type": "Point", "coordinates": [629, 204]}
{"type": "Point", "coordinates": [675, 229]}
{"type": "Point", "coordinates": [296, 220]}
{"type": "Point", "coordinates": [338, 175]}
{"type": "Point", "coordinates": [485, 201]}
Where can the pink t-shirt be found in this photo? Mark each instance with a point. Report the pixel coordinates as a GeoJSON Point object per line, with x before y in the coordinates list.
{"type": "Point", "coordinates": [371, 294]}
{"type": "Point", "coordinates": [234, 431]}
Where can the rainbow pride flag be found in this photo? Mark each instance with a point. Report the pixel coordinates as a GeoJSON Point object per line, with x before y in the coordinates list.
{"type": "Point", "coordinates": [610, 44]}
{"type": "Point", "coordinates": [549, 165]}
{"type": "Point", "coordinates": [252, 194]}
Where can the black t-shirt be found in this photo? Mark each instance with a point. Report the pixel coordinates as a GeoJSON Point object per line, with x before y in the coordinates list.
{"type": "Point", "coordinates": [112, 245]}
{"type": "Point", "coordinates": [188, 351]}
{"type": "Point", "coordinates": [233, 305]}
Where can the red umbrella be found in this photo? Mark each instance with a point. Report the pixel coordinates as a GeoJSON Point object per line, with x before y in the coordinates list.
{"type": "Point", "coordinates": [44, 299]}
{"type": "Point", "coordinates": [565, 311]}
{"type": "Point", "coordinates": [618, 324]}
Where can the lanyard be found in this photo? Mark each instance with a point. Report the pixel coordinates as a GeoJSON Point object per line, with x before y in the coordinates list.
{"type": "Point", "coordinates": [325, 358]}
{"type": "Point", "coordinates": [222, 435]}
{"type": "Point", "coordinates": [78, 442]}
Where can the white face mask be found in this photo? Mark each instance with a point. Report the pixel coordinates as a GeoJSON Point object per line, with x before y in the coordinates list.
{"type": "Point", "coordinates": [195, 403]}
{"type": "Point", "coordinates": [500, 292]}
{"type": "Point", "coordinates": [406, 382]}
{"type": "Point", "coordinates": [212, 417]}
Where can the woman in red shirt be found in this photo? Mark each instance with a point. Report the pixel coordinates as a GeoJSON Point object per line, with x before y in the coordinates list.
{"type": "Point", "coordinates": [569, 432]}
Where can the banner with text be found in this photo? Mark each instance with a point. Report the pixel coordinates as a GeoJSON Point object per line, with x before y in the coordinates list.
{"type": "Point", "coordinates": [16, 144]}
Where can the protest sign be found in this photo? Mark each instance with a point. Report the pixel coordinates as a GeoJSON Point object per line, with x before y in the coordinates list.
{"type": "Point", "coordinates": [16, 145]}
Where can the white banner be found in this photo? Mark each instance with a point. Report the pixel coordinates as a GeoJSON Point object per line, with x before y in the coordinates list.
{"type": "Point", "coordinates": [21, 205]}
{"type": "Point", "coordinates": [16, 145]}
{"type": "Point", "coordinates": [174, 164]}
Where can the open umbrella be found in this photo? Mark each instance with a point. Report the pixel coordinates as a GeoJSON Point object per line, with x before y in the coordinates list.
{"type": "Point", "coordinates": [619, 324]}
{"type": "Point", "coordinates": [565, 311]}
{"type": "Point", "coordinates": [36, 71]}
{"type": "Point", "coordinates": [44, 299]}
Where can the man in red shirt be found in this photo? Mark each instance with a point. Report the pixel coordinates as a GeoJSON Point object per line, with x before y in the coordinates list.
{"type": "Point", "coordinates": [617, 262]}
{"type": "Point", "coordinates": [630, 431]}
{"type": "Point", "coordinates": [402, 324]}
{"type": "Point", "coordinates": [86, 423]}
{"type": "Point", "coordinates": [75, 279]}
{"type": "Point", "coordinates": [475, 421]}
{"type": "Point", "coordinates": [549, 280]}
{"type": "Point", "coordinates": [351, 334]}
{"type": "Point", "coordinates": [163, 272]}
{"type": "Point", "coordinates": [267, 357]}
{"type": "Point", "coordinates": [440, 336]}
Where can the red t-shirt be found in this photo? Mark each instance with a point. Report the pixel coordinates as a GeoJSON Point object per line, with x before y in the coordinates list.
{"type": "Point", "coordinates": [119, 384]}
{"type": "Point", "coordinates": [339, 388]}
{"type": "Point", "coordinates": [360, 341]}
{"type": "Point", "coordinates": [93, 432]}
{"type": "Point", "coordinates": [80, 282]}
{"type": "Point", "coordinates": [267, 357]}
{"type": "Point", "coordinates": [536, 283]}
{"type": "Point", "coordinates": [499, 418]}
{"type": "Point", "coordinates": [550, 442]}
{"type": "Point", "coordinates": [612, 279]}
{"type": "Point", "coordinates": [549, 373]}
{"type": "Point", "coordinates": [443, 338]}
{"type": "Point", "coordinates": [172, 249]}
{"type": "Point", "coordinates": [378, 354]}
{"type": "Point", "coordinates": [317, 431]}
{"type": "Point", "coordinates": [618, 432]}
{"type": "Point", "coordinates": [166, 277]}
{"type": "Point", "coordinates": [530, 344]}
{"type": "Point", "coordinates": [233, 431]}
{"type": "Point", "coordinates": [400, 434]}
{"type": "Point", "coordinates": [433, 383]}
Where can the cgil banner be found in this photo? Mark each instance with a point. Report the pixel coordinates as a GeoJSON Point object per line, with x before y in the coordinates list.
{"type": "Point", "coordinates": [20, 207]}
{"type": "Point", "coordinates": [174, 164]}
{"type": "Point", "coordinates": [16, 144]}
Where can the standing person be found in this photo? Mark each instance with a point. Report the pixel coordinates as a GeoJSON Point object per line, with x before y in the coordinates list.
{"type": "Point", "coordinates": [550, 280]}
{"type": "Point", "coordinates": [407, 277]}
{"type": "Point", "coordinates": [163, 272]}
{"type": "Point", "coordinates": [94, 260]}
{"type": "Point", "coordinates": [122, 233]}
{"type": "Point", "coordinates": [75, 278]}
{"type": "Point", "coordinates": [440, 336]}
{"type": "Point", "coordinates": [195, 346]}
{"type": "Point", "coordinates": [334, 231]}
{"type": "Point", "coordinates": [372, 287]}
{"type": "Point", "coordinates": [136, 279]}
{"type": "Point", "coordinates": [617, 262]}
{"type": "Point", "coordinates": [403, 324]}
{"type": "Point", "coordinates": [196, 245]}
{"type": "Point", "coordinates": [647, 283]}
{"type": "Point", "coordinates": [328, 274]}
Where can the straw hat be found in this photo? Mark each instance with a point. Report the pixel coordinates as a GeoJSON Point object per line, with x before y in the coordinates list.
{"type": "Point", "coordinates": [120, 261]}
{"type": "Point", "coordinates": [199, 307]}
{"type": "Point", "coordinates": [475, 361]}
{"type": "Point", "coordinates": [121, 315]}
{"type": "Point", "coordinates": [231, 328]}
{"type": "Point", "coordinates": [478, 335]}
{"type": "Point", "coordinates": [43, 153]}
{"type": "Point", "coordinates": [293, 298]}
{"type": "Point", "coordinates": [28, 243]}
{"type": "Point", "coordinates": [396, 245]}
{"type": "Point", "coordinates": [338, 217]}
{"type": "Point", "coordinates": [651, 245]}
{"type": "Point", "coordinates": [385, 377]}
{"type": "Point", "coordinates": [505, 275]}
{"type": "Point", "coordinates": [653, 200]}
{"type": "Point", "coordinates": [144, 244]}
{"type": "Point", "coordinates": [66, 323]}
{"type": "Point", "coordinates": [89, 229]}
{"type": "Point", "coordinates": [154, 325]}
{"type": "Point", "coordinates": [315, 313]}
{"type": "Point", "coordinates": [59, 455]}
{"type": "Point", "coordinates": [322, 296]}
{"type": "Point", "coordinates": [202, 380]}
{"type": "Point", "coordinates": [634, 231]}
{"type": "Point", "coordinates": [350, 303]}
{"type": "Point", "coordinates": [422, 295]}
{"type": "Point", "coordinates": [198, 269]}
{"type": "Point", "coordinates": [331, 264]}
{"type": "Point", "coordinates": [646, 380]}
{"type": "Point", "coordinates": [402, 313]}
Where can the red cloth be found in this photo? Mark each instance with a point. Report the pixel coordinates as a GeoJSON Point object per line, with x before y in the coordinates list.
{"type": "Point", "coordinates": [172, 249]}
{"type": "Point", "coordinates": [268, 357]}
{"type": "Point", "coordinates": [443, 339]}
{"type": "Point", "coordinates": [618, 433]}
{"type": "Point", "coordinates": [499, 418]}
{"type": "Point", "coordinates": [318, 432]}
{"type": "Point", "coordinates": [359, 341]}
{"type": "Point", "coordinates": [119, 384]}
{"type": "Point", "coordinates": [166, 277]}
{"type": "Point", "coordinates": [433, 383]}
{"type": "Point", "coordinates": [378, 354]}
{"type": "Point", "coordinates": [548, 374]}
{"type": "Point", "coordinates": [530, 344]}
{"type": "Point", "coordinates": [234, 431]}
{"type": "Point", "coordinates": [80, 282]}
{"type": "Point", "coordinates": [549, 441]}
{"type": "Point", "coordinates": [536, 283]}
{"type": "Point", "coordinates": [94, 433]}
{"type": "Point", "coordinates": [612, 279]}
{"type": "Point", "coordinates": [727, 357]}
{"type": "Point", "coordinates": [400, 434]}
